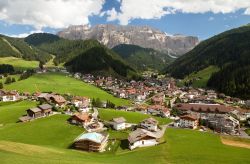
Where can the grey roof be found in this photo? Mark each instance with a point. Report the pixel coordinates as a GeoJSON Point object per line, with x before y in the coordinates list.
{"type": "Point", "coordinates": [25, 118]}
{"type": "Point", "coordinates": [43, 95]}
{"type": "Point", "coordinates": [35, 109]}
{"type": "Point", "coordinates": [119, 120]}
{"type": "Point", "coordinates": [139, 134]}
{"type": "Point", "coordinates": [150, 121]}
{"type": "Point", "coordinates": [45, 106]}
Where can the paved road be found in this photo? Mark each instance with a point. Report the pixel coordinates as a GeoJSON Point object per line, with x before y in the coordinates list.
{"type": "Point", "coordinates": [161, 132]}
{"type": "Point", "coordinates": [243, 134]}
{"type": "Point", "coordinates": [95, 114]}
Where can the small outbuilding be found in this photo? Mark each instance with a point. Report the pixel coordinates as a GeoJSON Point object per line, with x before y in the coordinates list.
{"type": "Point", "coordinates": [150, 124]}
{"type": "Point", "coordinates": [34, 112]}
{"type": "Point", "coordinates": [46, 109]}
{"type": "Point", "coordinates": [119, 123]}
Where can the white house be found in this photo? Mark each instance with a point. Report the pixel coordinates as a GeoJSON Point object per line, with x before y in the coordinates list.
{"type": "Point", "coordinates": [142, 138]}
{"type": "Point", "coordinates": [189, 121]}
{"type": "Point", "coordinates": [150, 124]}
{"type": "Point", "coordinates": [9, 96]}
{"type": "Point", "coordinates": [119, 123]}
{"type": "Point", "coordinates": [83, 103]}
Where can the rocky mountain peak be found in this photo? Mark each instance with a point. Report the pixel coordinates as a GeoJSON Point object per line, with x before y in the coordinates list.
{"type": "Point", "coordinates": [144, 36]}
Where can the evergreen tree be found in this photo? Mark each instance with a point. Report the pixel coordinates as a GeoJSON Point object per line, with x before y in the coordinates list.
{"type": "Point", "coordinates": [1, 85]}
{"type": "Point", "coordinates": [13, 80]}
{"type": "Point", "coordinates": [8, 80]}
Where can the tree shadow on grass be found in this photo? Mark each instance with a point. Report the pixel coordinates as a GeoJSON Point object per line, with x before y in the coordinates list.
{"type": "Point", "coordinates": [124, 144]}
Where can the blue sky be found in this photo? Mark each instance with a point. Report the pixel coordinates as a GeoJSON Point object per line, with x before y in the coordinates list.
{"type": "Point", "coordinates": [204, 22]}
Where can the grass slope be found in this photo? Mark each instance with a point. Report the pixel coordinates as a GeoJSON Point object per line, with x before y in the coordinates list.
{"type": "Point", "coordinates": [131, 117]}
{"type": "Point", "coordinates": [182, 146]}
{"type": "Point", "coordinates": [18, 63]}
{"type": "Point", "coordinates": [17, 76]}
{"type": "Point", "coordinates": [52, 131]}
{"type": "Point", "coordinates": [46, 140]}
{"type": "Point", "coordinates": [10, 112]}
{"type": "Point", "coordinates": [59, 83]}
{"type": "Point", "coordinates": [201, 77]}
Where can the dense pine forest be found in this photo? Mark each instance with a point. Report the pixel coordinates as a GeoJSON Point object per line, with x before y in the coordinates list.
{"type": "Point", "coordinates": [86, 56]}
{"type": "Point", "coordinates": [17, 47]}
{"type": "Point", "coordinates": [230, 51]}
{"type": "Point", "coordinates": [143, 58]}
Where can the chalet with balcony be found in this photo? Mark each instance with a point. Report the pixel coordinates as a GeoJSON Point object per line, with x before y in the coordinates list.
{"type": "Point", "coordinates": [142, 138]}
{"type": "Point", "coordinates": [189, 121]}
{"type": "Point", "coordinates": [82, 119]}
{"type": "Point", "coordinates": [92, 142]}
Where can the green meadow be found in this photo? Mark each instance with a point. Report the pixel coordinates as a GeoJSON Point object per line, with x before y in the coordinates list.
{"type": "Point", "coordinates": [26, 144]}
{"type": "Point", "coordinates": [202, 75]}
{"type": "Point", "coordinates": [131, 117]}
{"type": "Point", "coordinates": [11, 111]}
{"type": "Point", "coordinates": [18, 63]}
{"type": "Point", "coordinates": [48, 140]}
{"type": "Point", "coordinates": [60, 83]}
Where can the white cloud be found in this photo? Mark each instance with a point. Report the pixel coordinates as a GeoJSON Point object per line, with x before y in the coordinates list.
{"type": "Point", "coordinates": [49, 13]}
{"type": "Point", "coordinates": [23, 35]}
{"type": "Point", "coordinates": [155, 9]}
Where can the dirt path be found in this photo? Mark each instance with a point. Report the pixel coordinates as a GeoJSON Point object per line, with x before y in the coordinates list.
{"type": "Point", "coordinates": [236, 143]}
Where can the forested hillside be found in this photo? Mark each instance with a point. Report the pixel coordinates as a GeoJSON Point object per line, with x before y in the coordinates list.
{"type": "Point", "coordinates": [230, 51]}
{"type": "Point", "coordinates": [143, 58]}
{"type": "Point", "coordinates": [16, 47]}
{"type": "Point", "coordinates": [86, 56]}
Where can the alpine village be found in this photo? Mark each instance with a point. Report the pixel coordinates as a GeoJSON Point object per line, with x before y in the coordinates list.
{"type": "Point", "coordinates": [112, 93]}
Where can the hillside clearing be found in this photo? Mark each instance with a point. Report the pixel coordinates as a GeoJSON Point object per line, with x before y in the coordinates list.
{"type": "Point", "coordinates": [201, 78]}
{"type": "Point", "coordinates": [18, 63]}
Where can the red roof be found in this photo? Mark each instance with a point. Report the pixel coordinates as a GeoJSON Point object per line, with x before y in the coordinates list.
{"type": "Point", "coordinates": [189, 117]}
{"type": "Point", "coordinates": [210, 108]}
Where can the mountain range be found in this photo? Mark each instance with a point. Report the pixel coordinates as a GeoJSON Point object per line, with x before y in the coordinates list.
{"type": "Point", "coordinates": [143, 36]}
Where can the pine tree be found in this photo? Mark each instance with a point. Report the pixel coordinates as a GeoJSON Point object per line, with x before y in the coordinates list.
{"type": "Point", "coordinates": [8, 80]}
{"type": "Point", "coordinates": [13, 80]}
{"type": "Point", "coordinates": [1, 85]}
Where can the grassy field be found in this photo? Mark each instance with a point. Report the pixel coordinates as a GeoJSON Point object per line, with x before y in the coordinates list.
{"type": "Point", "coordinates": [131, 117]}
{"type": "Point", "coordinates": [182, 146]}
{"type": "Point", "coordinates": [18, 63]}
{"type": "Point", "coordinates": [203, 76]}
{"type": "Point", "coordinates": [12, 76]}
{"type": "Point", "coordinates": [47, 140]}
{"type": "Point", "coordinates": [52, 131]}
{"type": "Point", "coordinates": [11, 111]}
{"type": "Point", "coordinates": [54, 82]}
{"type": "Point", "coordinates": [247, 131]}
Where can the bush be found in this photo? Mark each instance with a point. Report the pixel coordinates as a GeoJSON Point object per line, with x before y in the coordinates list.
{"type": "Point", "coordinates": [8, 80]}
{"type": "Point", "coordinates": [13, 80]}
